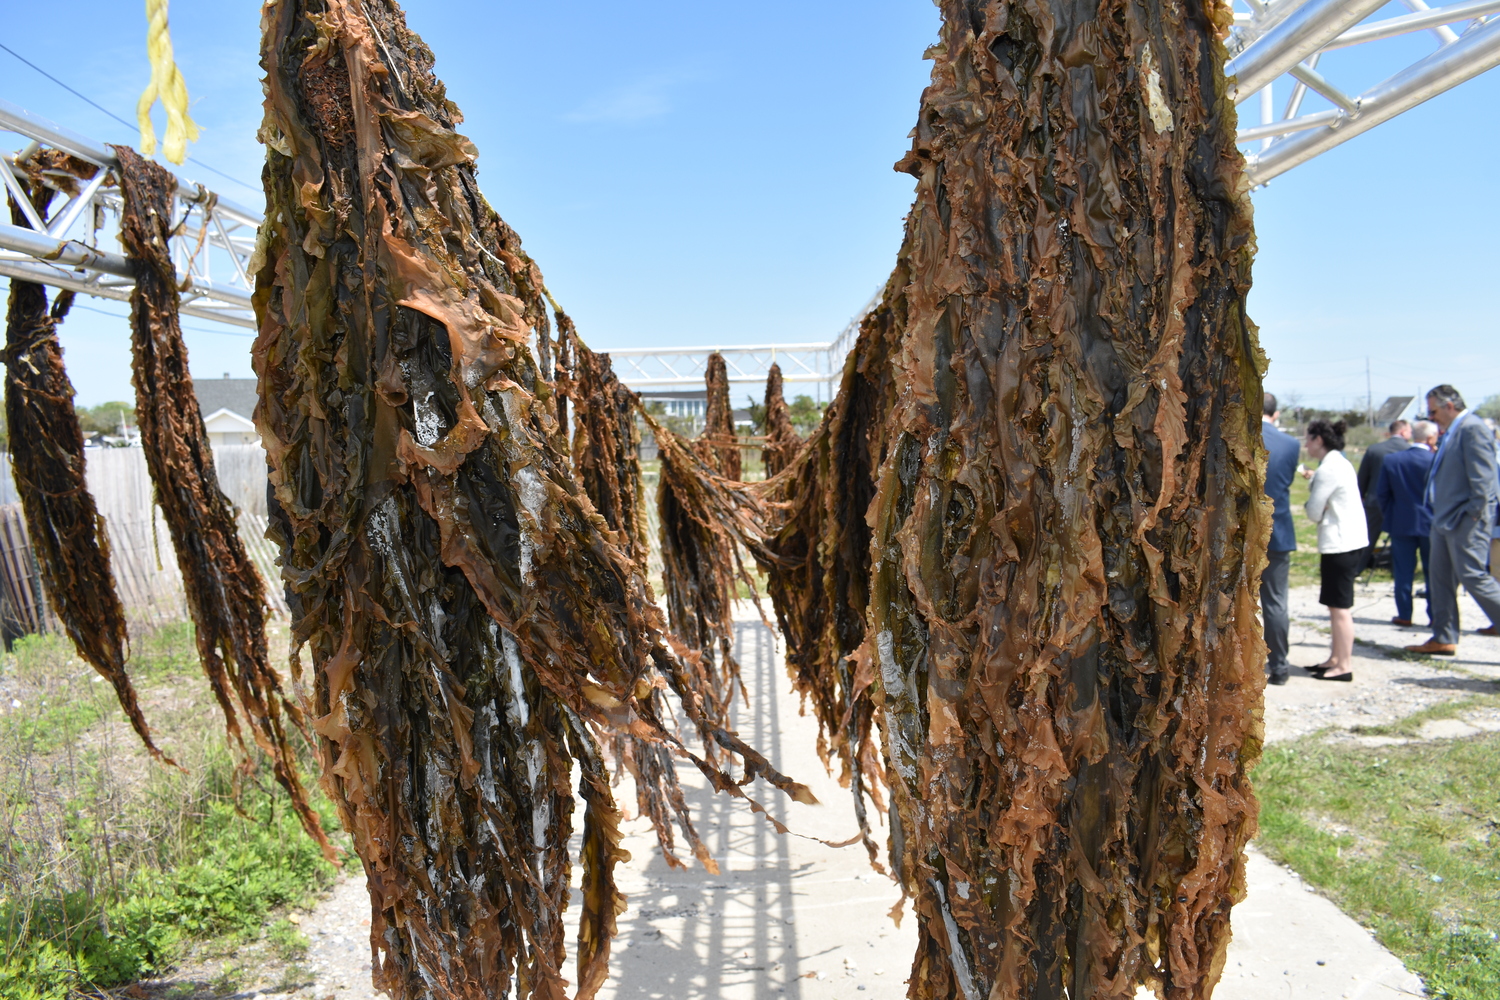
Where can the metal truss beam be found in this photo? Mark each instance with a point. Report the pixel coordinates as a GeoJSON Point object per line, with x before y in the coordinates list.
{"type": "Point", "coordinates": [211, 233]}
{"type": "Point", "coordinates": [682, 368]}
{"type": "Point", "coordinates": [1270, 42]}
{"type": "Point", "coordinates": [1289, 37]}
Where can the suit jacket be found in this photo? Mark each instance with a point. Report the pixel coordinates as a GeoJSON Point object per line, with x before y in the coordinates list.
{"type": "Point", "coordinates": [1282, 452]}
{"type": "Point", "coordinates": [1463, 475]}
{"type": "Point", "coordinates": [1369, 465]}
{"type": "Point", "coordinates": [1401, 492]}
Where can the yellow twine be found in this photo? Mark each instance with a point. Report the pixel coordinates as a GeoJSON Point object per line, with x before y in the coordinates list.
{"type": "Point", "coordinates": [166, 84]}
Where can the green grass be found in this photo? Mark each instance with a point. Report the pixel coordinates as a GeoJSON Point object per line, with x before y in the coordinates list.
{"type": "Point", "coordinates": [1411, 725]}
{"type": "Point", "coordinates": [112, 866]}
{"type": "Point", "coordinates": [1406, 839]}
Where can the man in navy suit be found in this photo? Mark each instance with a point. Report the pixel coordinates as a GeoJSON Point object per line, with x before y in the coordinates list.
{"type": "Point", "coordinates": [1401, 494]}
{"type": "Point", "coordinates": [1282, 451]}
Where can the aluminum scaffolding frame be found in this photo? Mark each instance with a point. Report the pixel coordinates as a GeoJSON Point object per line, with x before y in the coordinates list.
{"type": "Point", "coordinates": [684, 367]}
{"type": "Point", "coordinates": [210, 233]}
{"type": "Point", "coordinates": [1289, 37]}
{"type": "Point", "coordinates": [215, 239]}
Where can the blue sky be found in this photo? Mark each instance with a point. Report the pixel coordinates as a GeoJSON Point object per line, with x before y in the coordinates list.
{"type": "Point", "coordinates": [712, 173]}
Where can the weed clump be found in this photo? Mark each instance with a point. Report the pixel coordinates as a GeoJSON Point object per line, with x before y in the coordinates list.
{"type": "Point", "coordinates": [112, 866]}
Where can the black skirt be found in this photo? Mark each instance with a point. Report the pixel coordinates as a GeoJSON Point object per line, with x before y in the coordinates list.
{"type": "Point", "coordinates": [1339, 572]}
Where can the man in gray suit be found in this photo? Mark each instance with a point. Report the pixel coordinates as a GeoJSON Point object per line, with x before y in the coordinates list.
{"type": "Point", "coordinates": [1463, 491]}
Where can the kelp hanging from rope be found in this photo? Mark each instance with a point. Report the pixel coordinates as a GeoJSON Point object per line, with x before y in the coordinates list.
{"type": "Point", "coordinates": [782, 442]}
{"type": "Point", "coordinates": [473, 621]}
{"type": "Point", "coordinates": [818, 557]}
{"type": "Point", "coordinates": [607, 450]}
{"type": "Point", "coordinates": [224, 591]}
{"type": "Point", "coordinates": [47, 462]}
{"type": "Point", "coordinates": [1069, 525]}
{"type": "Point", "coordinates": [606, 457]}
{"type": "Point", "coordinates": [719, 445]}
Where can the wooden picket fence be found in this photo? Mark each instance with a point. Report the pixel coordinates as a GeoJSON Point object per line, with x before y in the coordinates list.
{"type": "Point", "coordinates": [141, 555]}
{"type": "Point", "coordinates": [23, 606]}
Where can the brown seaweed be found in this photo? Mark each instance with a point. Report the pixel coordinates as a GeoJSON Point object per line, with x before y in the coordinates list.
{"type": "Point", "coordinates": [474, 622]}
{"type": "Point", "coordinates": [719, 445]}
{"type": "Point", "coordinates": [606, 458]}
{"type": "Point", "coordinates": [782, 442]}
{"type": "Point", "coordinates": [818, 565]}
{"type": "Point", "coordinates": [1069, 524]}
{"type": "Point", "coordinates": [607, 450]}
{"type": "Point", "coordinates": [47, 461]}
{"type": "Point", "coordinates": [225, 595]}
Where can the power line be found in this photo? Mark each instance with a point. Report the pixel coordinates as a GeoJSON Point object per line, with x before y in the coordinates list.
{"type": "Point", "coordinates": [90, 101]}
{"type": "Point", "coordinates": [185, 329]}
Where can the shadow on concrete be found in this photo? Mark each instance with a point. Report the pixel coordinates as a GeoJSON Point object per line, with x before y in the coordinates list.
{"type": "Point", "coordinates": [701, 935]}
{"type": "Point", "coordinates": [1474, 685]}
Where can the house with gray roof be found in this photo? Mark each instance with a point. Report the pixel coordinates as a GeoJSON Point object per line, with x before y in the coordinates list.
{"type": "Point", "coordinates": [228, 406]}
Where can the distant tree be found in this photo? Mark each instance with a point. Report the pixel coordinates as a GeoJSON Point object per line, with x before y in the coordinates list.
{"type": "Point", "coordinates": [757, 414]}
{"type": "Point", "coordinates": [806, 414]}
{"type": "Point", "coordinates": [106, 417]}
{"type": "Point", "coordinates": [1489, 408]}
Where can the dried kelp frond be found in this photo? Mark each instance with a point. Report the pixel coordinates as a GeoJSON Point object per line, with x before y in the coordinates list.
{"type": "Point", "coordinates": [606, 456]}
{"type": "Point", "coordinates": [473, 621]}
{"type": "Point", "coordinates": [224, 592]}
{"type": "Point", "coordinates": [47, 461]}
{"type": "Point", "coordinates": [706, 523]}
{"type": "Point", "coordinates": [819, 573]}
{"type": "Point", "coordinates": [607, 450]}
{"type": "Point", "coordinates": [782, 442]}
{"type": "Point", "coordinates": [719, 445]}
{"type": "Point", "coordinates": [1069, 525]}
{"type": "Point", "coordinates": [660, 797]}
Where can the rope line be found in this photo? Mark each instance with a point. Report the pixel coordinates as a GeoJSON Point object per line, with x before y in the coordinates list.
{"type": "Point", "coordinates": [167, 86]}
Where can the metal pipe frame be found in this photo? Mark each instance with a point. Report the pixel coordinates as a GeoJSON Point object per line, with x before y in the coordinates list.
{"type": "Point", "coordinates": [1270, 39]}
{"type": "Point", "coordinates": [1305, 31]}
{"type": "Point", "coordinates": [1476, 51]}
{"type": "Point", "coordinates": [68, 252]}
{"type": "Point", "coordinates": [683, 368]}
{"type": "Point", "coordinates": [1417, 21]}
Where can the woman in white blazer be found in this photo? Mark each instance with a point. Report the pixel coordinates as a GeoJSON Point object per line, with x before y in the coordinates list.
{"type": "Point", "coordinates": [1334, 505]}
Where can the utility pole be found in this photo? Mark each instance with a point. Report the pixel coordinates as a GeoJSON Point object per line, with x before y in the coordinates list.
{"type": "Point", "coordinates": [1369, 395]}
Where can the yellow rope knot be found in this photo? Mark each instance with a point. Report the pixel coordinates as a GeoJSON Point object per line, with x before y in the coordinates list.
{"type": "Point", "coordinates": [166, 84]}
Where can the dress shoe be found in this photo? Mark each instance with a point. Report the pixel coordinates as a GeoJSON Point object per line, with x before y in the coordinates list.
{"type": "Point", "coordinates": [1403, 622]}
{"type": "Point", "coordinates": [1434, 648]}
{"type": "Point", "coordinates": [1335, 677]}
{"type": "Point", "coordinates": [1493, 630]}
{"type": "Point", "coordinates": [1278, 677]}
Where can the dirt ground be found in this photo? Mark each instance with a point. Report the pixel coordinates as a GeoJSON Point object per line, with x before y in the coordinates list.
{"type": "Point", "coordinates": [790, 918]}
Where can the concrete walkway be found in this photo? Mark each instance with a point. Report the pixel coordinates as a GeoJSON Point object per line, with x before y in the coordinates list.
{"type": "Point", "coordinates": [790, 918]}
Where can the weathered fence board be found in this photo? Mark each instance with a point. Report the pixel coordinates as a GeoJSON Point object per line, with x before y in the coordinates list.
{"type": "Point", "coordinates": [141, 556]}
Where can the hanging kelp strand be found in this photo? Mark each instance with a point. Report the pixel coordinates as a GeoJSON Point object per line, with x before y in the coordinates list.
{"type": "Point", "coordinates": [719, 445]}
{"type": "Point", "coordinates": [606, 455]}
{"type": "Point", "coordinates": [782, 442]}
{"type": "Point", "coordinates": [47, 461]}
{"type": "Point", "coordinates": [1070, 525]}
{"type": "Point", "coordinates": [475, 622]}
{"type": "Point", "coordinates": [607, 450]}
{"type": "Point", "coordinates": [819, 571]}
{"type": "Point", "coordinates": [225, 595]}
